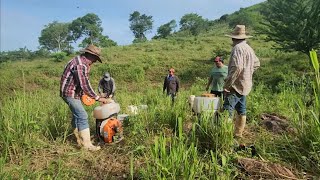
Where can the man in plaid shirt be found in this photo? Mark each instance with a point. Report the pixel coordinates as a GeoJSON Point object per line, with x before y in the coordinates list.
{"type": "Point", "coordinates": [243, 62]}
{"type": "Point", "coordinates": [74, 83]}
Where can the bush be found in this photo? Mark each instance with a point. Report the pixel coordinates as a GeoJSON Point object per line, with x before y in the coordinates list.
{"type": "Point", "coordinates": [59, 56]}
{"type": "Point", "coordinates": [136, 74]}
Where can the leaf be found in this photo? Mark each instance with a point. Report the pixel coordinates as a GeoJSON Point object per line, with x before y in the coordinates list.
{"type": "Point", "coordinates": [223, 160]}
{"type": "Point", "coordinates": [314, 60]}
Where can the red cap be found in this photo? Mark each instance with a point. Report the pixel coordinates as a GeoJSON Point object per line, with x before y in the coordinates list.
{"type": "Point", "coordinates": [217, 59]}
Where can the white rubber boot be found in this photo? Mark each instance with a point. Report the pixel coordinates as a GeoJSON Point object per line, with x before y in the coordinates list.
{"type": "Point", "coordinates": [240, 123]}
{"type": "Point", "coordinates": [76, 134]}
{"type": "Point", "coordinates": [86, 142]}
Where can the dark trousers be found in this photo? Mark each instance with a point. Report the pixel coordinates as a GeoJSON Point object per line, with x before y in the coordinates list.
{"type": "Point", "coordinates": [172, 95]}
{"type": "Point", "coordinates": [217, 93]}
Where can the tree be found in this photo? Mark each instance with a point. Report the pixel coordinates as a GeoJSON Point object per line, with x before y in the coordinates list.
{"type": "Point", "coordinates": [194, 23]}
{"type": "Point", "coordinates": [88, 26]}
{"type": "Point", "coordinates": [101, 40]}
{"type": "Point", "coordinates": [42, 52]}
{"type": "Point", "coordinates": [20, 54]}
{"type": "Point", "coordinates": [293, 24]}
{"type": "Point", "coordinates": [250, 19]}
{"type": "Point", "coordinates": [166, 29]}
{"type": "Point", "coordinates": [223, 17]}
{"type": "Point", "coordinates": [106, 42]}
{"type": "Point", "coordinates": [55, 36]}
{"type": "Point", "coordinates": [139, 25]}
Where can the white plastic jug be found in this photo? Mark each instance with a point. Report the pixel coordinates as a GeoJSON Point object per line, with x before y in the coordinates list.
{"type": "Point", "coordinates": [143, 107]}
{"type": "Point", "coordinates": [191, 100]}
{"type": "Point", "coordinates": [205, 104]}
{"type": "Point", "coordinates": [122, 117]}
{"type": "Point", "coordinates": [132, 109]}
{"type": "Point", "coordinates": [106, 110]}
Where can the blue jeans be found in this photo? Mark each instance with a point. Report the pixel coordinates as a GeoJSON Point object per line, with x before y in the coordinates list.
{"type": "Point", "coordinates": [79, 114]}
{"type": "Point", "coordinates": [235, 101]}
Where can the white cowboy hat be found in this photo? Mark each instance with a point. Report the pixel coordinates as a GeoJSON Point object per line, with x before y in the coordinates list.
{"type": "Point", "coordinates": [239, 32]}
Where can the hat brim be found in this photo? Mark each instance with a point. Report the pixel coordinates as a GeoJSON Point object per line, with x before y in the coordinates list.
{"type": "Point", "coordinates": [88, 51]}
{"type": "Point", "coordinates": [238, 36]}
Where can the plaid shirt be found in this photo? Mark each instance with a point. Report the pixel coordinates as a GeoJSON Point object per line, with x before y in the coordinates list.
{"type": "Point", "coordinates": [243, 62]}
{"type": "Point", "coordinates": [75, 79]}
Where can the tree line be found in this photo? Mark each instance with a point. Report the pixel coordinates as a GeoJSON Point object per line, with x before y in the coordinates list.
{"type": "Point", "coordinates": [57, 37]}
{"type": "Point", "coordinates": [293, 24]}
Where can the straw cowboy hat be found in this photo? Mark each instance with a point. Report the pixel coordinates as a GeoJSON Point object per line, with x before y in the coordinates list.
{"type": "Point", "coordinates": [239, 32]}
{"type": "Point", "coordinates": [94, 50]}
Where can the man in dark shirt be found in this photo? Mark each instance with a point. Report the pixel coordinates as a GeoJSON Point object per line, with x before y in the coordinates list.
{"type": "Point", "coordinates": [107, 86]}
{"type": "Point", "coordinates": [171, 84]}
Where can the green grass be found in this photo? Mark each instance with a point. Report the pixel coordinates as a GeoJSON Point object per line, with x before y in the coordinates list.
{"type": "Point", "coordinates": [36, 140]}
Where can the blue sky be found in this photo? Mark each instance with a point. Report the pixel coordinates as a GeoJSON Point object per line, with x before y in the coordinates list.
{"type": "Point", "coordinates": [23, 20]}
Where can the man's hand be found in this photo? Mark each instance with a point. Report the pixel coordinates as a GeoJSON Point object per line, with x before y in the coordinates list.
{"type": "Point", "coordinates": [110, 96]}
{"type": "Point", "coordinates": [226, 90]}
{"type": "Point", "coordinates": [103, 95]}
{"type": "Point", "coordinates": [104, 100]}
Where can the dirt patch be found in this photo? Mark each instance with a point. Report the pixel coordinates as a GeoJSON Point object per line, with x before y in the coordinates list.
{"type": "Point", "coordinates": [275, 123]}
{"type": "Point", "coordinates": [111, 162]}
{"type": "Point", "coordinates": [107, 164]}
{"type": "Point", "coordinates": [187, 127]}
{"type": "Point", "coordinates": [257, 169]}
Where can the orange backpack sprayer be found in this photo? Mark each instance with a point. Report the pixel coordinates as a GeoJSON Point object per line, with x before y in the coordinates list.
{"type": "Point", "coordinates": [112, 131]}
{"type": "Point", "coordinates": [108, 128]}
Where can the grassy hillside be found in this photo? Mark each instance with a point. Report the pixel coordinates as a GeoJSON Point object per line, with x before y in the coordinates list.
{"type": "Point", "coordinates": [161, 142]}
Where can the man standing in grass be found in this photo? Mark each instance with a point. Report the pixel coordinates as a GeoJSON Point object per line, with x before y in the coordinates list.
{"type": "Point", "coordinates": [243, 62]}
{"type": "Point", "coordinates": [171, 84]}
{"type": "Point", "coordinates": [74, 83]}
{"type": "Point", "coordinates": [217, 77]}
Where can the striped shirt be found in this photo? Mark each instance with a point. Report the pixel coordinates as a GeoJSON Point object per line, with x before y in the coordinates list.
{"type": "Point", "coordinates": [75, 79]}
{"type": "Point", "coordinates": [243, 62]}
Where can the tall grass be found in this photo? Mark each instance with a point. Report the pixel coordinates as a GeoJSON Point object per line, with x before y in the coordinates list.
{"type": "Point", "coordinates": [214, 132]}
{"type": "Point", "coordinates": [316, 84]}
{"type": "Point", "coordinates": [34, 118]}
{"type": "Point", "coordinates": [301, 147]}
{"type": "Point", "coordinates": [176, 157]}
{"type": "Point", "coordinates": [308, 123]}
